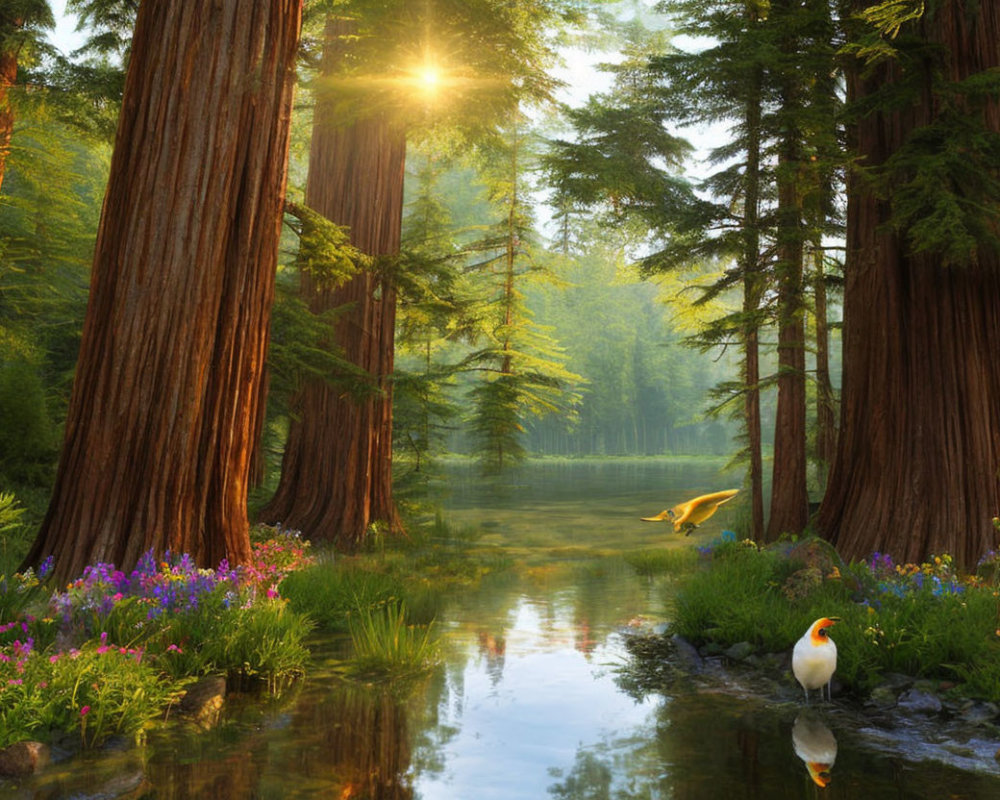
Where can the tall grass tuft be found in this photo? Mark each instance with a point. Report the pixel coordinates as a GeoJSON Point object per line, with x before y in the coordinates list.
{"type": "Point", "coordinates": [385, 645]}
{"type": "Point", "coordinates": [329, 592]}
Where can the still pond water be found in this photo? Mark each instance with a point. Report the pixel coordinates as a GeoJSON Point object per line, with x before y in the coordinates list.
{"type": "Point", "coordinates": [530, 702]}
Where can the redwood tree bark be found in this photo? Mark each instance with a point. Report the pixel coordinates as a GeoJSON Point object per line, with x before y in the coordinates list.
{"type": "Point", "coordinates": [916, 467]}
{"type": "Point", "coordinates": [336, 475]}
{"type": "Point", "coordinates": [8, 74]}
{"type": "Point", "coordinates": [168, 382]}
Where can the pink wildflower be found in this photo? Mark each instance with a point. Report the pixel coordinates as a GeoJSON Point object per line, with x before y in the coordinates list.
{"type": "Point", "coordinates": [84, 711]}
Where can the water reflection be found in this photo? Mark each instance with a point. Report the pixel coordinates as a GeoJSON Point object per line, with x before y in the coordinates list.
{"type": "Point", "coordinates": [530, 703]}
{"type": "Point", "coordinates": [816, 745]}
{"type": "Point", "coordinates": [517, 731]}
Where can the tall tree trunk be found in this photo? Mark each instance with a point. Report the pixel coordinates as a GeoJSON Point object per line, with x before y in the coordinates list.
{"type": "Point", "coordinates": [916, 469]}
{"type": "Point", "coordinates": [789, 497]}
{"type": "Point", "coordinates": [8, 74]}
{"type": "Point", "coordinates": [753, 283]}
{"type": "Point", "coordinates": [161, 417]}
{"type": "Point", "coordinates": [336, 476]}
{"type": "Point", "coordinates": [826, 431]}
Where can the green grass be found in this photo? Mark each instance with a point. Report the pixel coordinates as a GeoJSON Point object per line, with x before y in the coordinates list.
{"type": "Point", "coordinates": [386, 646]}
{"type": "Point", "coordinates": [670, 561]}
{"type": "Point", "coordinates": [885, 627]}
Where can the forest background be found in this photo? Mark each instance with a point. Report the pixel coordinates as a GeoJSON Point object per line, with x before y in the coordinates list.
{"type": "Point", "coordinates": [569, 280]}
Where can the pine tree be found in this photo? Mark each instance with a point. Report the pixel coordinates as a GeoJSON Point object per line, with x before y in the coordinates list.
{"type": "Point", "coordinates": [522, 374]}
{"type": "Point", "coordinates": [431, 313]}
{"type": "Point", "coordinates": [481, 57]}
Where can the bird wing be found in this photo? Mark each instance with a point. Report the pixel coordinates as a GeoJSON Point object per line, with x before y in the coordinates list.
{"type": "Point", "coordinates": [701, 508]}
{"type": "Point", "coordinates": [681, 513]}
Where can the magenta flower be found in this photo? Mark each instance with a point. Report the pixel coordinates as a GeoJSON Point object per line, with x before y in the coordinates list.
{"type": "Point", "coordinates": [84, 711]}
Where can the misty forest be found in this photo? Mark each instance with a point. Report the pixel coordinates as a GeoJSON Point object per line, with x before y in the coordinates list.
{"type": "Point", "coordinates": [503, 231]}
{"type": "Point", "coordinates": [288, 265]}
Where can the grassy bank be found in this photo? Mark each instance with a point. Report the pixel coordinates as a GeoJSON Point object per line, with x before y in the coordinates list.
{"type": "Point", "coordinates": [922, 620]}
{"type": "Point", "coordinates": [112, 652]}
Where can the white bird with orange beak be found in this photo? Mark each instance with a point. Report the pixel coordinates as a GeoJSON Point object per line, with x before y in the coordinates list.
{"type": "Point", "coordinates": [814, 658]}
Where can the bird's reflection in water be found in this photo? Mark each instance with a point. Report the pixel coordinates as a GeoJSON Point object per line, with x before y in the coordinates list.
{"type": "Point", "coordinates": [816, 745]}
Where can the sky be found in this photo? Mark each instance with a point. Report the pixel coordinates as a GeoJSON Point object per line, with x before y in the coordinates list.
{"type": "Point", "coordinates": [64, 36]}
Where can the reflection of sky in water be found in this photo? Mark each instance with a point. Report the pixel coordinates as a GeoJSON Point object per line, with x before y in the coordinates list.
{"type": "Point", "coordinates": [551, 702]}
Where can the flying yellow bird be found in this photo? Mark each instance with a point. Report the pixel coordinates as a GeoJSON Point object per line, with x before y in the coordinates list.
{"type": "Point", "coordinates": [688, 516]}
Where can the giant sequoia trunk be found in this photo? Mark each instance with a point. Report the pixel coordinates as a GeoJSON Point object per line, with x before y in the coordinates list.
{"type": "Point", "coordinates": [8, 74]}
{"type": "Point", "coordinates": [167, 387]}
{"type": "Point", "coordinates": [336, 476]}
{"type": "Point", "coordinates": [916, 467]}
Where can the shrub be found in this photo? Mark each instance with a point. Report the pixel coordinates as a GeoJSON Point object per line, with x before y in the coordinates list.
{"type": "Point", "coordinates": [98, 690]}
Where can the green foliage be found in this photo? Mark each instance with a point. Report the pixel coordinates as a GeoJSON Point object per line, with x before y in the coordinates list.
{"type": "Point", "coordinates": [912, 623]}
{"type": "Point", "coordinates": [523, 375]}
{"type": "Point", "coordinates": [222, 633]}
{"type": "Point", "coordinates": [22, 595]}
{"type": "Point", "coordinates": [263, 641]}
{"type": "Point", "coordinates": [325, 249]}
{"type": "Point", "coordinates": [11, 536]}
{"type": "Point", "coordinates": [387, 646]}
{"type": "Point", "coordinates": [95, 692]}
{"type": "Point", "coordinates": [496, 424]}
{"type": "Point", "coordinates": [943, 190]}
{"type": "Point", "coordinates": [662, 562]}
{"type": "Point", "coordinates": [110, 24]}
{"type": "Point", "coordinates": [28, 445]}
{"type": "Point", "coordinates": [22, 27]}
{"type": "Point", "coordinates": [328, 592]}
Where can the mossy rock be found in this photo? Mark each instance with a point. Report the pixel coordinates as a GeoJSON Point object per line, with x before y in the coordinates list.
{"type": "Point", "coordinates": [801, 583]}
{"type": "Point", "coordinates": [814, 553]}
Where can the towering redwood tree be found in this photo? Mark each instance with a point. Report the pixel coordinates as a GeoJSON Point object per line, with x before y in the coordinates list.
{"type": "Point", "coordinates": [916, 468]}
{"type": "Point", "coordinates": [336, 476]}
{"type": "Point", "coordinates": [159, 431]}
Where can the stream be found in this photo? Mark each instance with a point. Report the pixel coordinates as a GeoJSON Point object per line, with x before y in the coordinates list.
{"type": "Point", "coordinates": [529, 702]}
